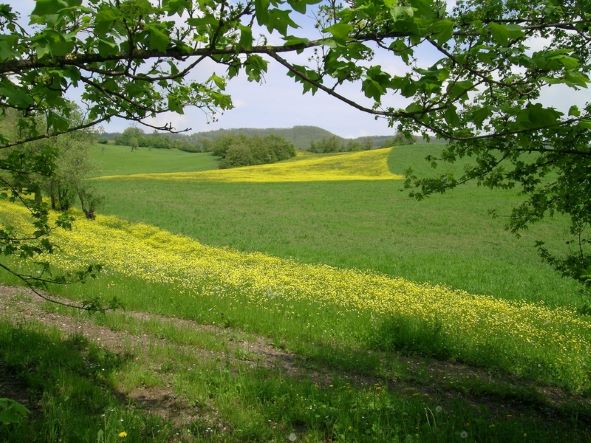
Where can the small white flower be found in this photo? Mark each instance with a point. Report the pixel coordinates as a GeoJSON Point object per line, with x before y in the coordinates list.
{"type": "Point", "coordinates": [463, 434]}
{"type": "Point", "coordinates": [438, 409]}
{"type": "Point", "coordinates": [292, 437]}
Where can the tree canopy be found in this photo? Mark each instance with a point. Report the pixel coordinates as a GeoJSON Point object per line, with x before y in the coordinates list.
{"type": "Point", "coordinates": [136, 59]}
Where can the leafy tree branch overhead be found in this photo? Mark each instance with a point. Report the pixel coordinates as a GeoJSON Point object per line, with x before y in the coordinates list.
{"type": "Point", "coordinates": [134, 59]}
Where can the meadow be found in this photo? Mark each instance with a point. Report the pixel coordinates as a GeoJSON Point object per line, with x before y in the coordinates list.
{"type": "Point", "coordinates": [320, 304]}
{"type": "Point", "coordinates": [368, 223]}
{"type": "Point", "coordinates": [112, 160]}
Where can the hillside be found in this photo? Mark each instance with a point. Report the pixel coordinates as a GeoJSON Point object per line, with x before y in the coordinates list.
{"type": "Point", "coordinates": [363, 165]}
{"type": "Point", "coordinates": [299, 136]}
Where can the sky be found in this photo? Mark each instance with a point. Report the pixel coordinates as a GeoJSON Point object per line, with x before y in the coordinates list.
{"type": "Point", "coordinates": [279, 103]}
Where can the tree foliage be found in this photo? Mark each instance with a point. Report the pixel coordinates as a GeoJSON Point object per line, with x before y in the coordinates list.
{"type": "Point", "coordinates": [243, 150]}
{"type": "Point", "coordinates": [336, 144]}
{"type": "Point", "coordinates": [482, 92]}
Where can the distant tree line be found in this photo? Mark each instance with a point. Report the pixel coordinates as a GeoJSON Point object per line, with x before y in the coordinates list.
{"type": "Point", "coordinates": [337, 144]}
{"type": "Point", "coordinates": [232, 149]}
{"type": "Point", "coordinates": [236, 148]}
{"type": "Point", "coordinates": [242, 150]}
{"type": "Point", "coordinates": [135, 138]}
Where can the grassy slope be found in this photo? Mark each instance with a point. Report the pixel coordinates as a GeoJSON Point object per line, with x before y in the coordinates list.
{"type": "Point", "coordinates": [362, 165]}
{"type": "Point", "coordinates": [447, 239]}
{"type": "Point", "coordinates": [112, 160]}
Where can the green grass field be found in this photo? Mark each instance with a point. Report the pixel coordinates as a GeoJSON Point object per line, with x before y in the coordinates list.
{"type": "Point", "coordinates": [216, 343]}
{"type": "Point", "coordinates": [449, 239]}
{"type": "Point", "coordinates": [113, 160]}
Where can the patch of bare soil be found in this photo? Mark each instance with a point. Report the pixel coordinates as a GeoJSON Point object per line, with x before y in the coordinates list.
{"type": "Point", "coordinates": [18, 305]}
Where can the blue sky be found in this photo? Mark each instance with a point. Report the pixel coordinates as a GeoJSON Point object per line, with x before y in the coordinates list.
{"type": "Point", "coordinates": [278, 102]}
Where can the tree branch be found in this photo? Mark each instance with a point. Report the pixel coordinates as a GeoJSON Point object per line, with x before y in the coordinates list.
{"type": "Point", "coordinates": [54, 134]}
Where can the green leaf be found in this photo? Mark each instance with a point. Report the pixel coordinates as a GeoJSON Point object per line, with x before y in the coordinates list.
{"type": "Point", "coordinates": [585, 124]}
{"type": "Point", "coordinates": [301, 5]}
{"type": "Point", "coordinates": [175, 104]}
{"type": "Point", "coordinates": [373, 89]}
{"type": "Point", "coordinates": [219, 81]}
{"type": "Point", "coordinates": [460, 89]}
{"type": "Point", "coordinates": [105, 17]}
{"type": "Point", "coordinates": [176, 6]}
{"type": "Point", "coordinates": [57, 122]}
{"type": "Point", "coordinates": [406, 85]}
{"type": "Point", "coordinates": [481, 114]}
{"type": "Point", "coordinates": [107, 47]}
{"type": "Point", "coordinates": [339, 31]}
{"type": "Point", "coordinates": [451, 116]}
{"type": "Point", "coordinates": [574, 111]}
{"type": "Point", "coordinates": [280, 20]}
{"type": "Point", "coordinates": [443, 30]}
{"type": "Point", "coordinates": [48, 7]}
{"type": "Point", "coordinates": [245, 37]}
{"type": "Point", "coordinates": [536, 116]}
{"type": "Point", "coordinates": [16, 95]}
{"type": "Point", "coordinates": [400, 48]}
{"type": "Point", "coordinates": [7, 44]}
{"type": "Point", "coordinates": [576, 79]}
{"type": "Point", "coordinates": [255, 66]}
{"type": "Point", "coordinates": [504, 33]}
{"type": "Point", "coordinates": [566, 61]}
{"type": "Point", "coordinates": [309, 74]}
{"type": "Point", "coordinates": [56, 42]}
{"type": "Point", "coordinates": [401, 12]}
{"type": "Point", "coordinates": [262, 11]}
{"type": "Point", "coordinates": [292, 40]}
{"type": "Point", "coordinates": [376, 82]}
{"type": "Point", "coordinates": [414, 108]}
{"type": "Point", "coordinates": [158, 39]}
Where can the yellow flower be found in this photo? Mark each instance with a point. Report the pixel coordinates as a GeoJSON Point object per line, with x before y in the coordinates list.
{"type": "Point", "coordinates": [557, 339]}
{"type": "Point", "coordinates": [122, 434]}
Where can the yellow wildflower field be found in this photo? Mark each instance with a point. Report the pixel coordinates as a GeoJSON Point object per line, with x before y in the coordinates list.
{"type": "Point", "coordinates": [363, 165]}
{"type": "Point", "coordinates": [558, 338]}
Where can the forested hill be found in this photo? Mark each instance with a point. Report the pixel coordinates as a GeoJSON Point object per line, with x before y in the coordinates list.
{"type": "Point", "coordinates": [299, 136]}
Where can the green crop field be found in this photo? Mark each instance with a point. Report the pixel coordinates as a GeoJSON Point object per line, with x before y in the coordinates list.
{"type": "Point", "coordinates": [368, 224]}
{"type": "Point", "coordinates": [113, 160]}
{"type": "Point", "coordinates": [309, 300]}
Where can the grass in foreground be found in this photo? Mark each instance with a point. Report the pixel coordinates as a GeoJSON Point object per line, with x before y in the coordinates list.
{"type": "Point", "coordinates": [161, 379]}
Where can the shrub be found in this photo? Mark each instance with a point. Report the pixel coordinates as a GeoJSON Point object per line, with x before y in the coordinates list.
{"type": "Point", "coordinates": [241, 150]}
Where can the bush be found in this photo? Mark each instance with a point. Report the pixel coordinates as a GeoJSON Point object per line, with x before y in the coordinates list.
{"type": "Point", "coordinates": [241, 150]}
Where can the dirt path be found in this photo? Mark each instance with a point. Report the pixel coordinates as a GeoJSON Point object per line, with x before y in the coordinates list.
{"type": "Point", "coordinates": [19, 306]}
